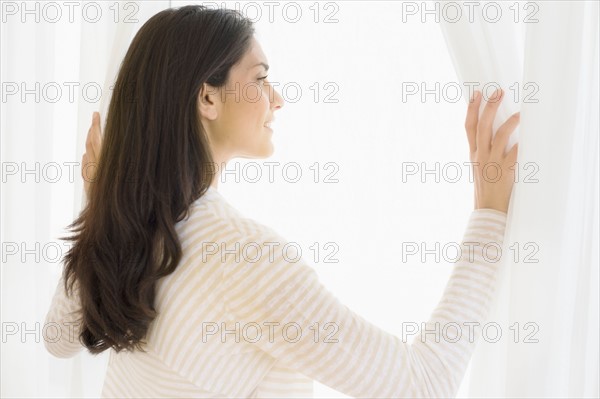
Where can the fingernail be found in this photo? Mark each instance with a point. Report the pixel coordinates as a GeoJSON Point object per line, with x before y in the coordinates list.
{"type": "Point", "coordinates": [477, 95]}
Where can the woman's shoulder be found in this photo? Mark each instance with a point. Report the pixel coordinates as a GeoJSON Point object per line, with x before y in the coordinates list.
{"type": "Point", "coordinates": [214, 210]}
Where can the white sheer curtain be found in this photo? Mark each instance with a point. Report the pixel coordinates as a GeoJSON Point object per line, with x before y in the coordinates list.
{"type": "Point", "coordinates": [550, 54]}
{"type": "Point", "coordinates": [43, 139]}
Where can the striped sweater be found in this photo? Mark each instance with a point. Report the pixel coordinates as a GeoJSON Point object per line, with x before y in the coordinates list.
{"type": "Point", "coordinates": [240, 317]}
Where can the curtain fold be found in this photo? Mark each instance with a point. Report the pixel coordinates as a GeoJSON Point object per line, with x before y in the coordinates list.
{"type": "Point", "coordinates": [549, 282]}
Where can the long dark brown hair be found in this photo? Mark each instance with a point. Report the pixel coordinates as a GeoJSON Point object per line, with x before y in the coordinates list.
{"type": "Point", "coordinates": [154, 163]}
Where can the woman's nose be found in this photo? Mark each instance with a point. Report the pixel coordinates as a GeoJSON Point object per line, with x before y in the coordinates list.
{"type": "Point", "coordinates": [277, 100]}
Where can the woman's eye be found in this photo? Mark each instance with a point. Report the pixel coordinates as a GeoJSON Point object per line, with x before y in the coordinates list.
{"type": "Point", "coordinates": [263, 78]}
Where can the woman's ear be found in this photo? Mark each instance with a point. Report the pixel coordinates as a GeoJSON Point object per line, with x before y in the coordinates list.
{"type": "Point", "coordinates": [209, 102]}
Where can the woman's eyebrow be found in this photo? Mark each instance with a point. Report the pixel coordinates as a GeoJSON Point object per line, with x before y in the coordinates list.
{"type": "Point", "coordinates": [266, 66]}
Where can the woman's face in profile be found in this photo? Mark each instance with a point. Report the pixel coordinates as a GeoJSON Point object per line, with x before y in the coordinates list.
{"type": "Point", "coordinates": [235, 116]}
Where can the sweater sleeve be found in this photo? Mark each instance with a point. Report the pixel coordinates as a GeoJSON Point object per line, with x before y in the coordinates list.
{"type": "Point", "coordinates": [311, 331]}
{"type": "Point", "coordinates": [62, 323]}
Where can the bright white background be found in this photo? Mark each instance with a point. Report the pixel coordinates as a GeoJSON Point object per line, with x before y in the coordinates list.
{"type": "Point", "coordinates": [368, 134]}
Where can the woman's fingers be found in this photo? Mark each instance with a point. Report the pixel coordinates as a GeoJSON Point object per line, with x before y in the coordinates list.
{"type": "Point", "coordinates": [503, 134]}
{"type": "Point", "coordinates": [484, 128]}
{"type": "Point", "coordinates": [86, 172]}
{"type": "Point", "coordinates": [94, 138]}
{"type": "Point", "coordinates": [472, 120]}
{"type": "Point", "coordinates": [84, 161]}
{"type": "Point", "coordinates": [511, 156]}
{"type": "Point", "coordinates": [93, 143]}
{"type": "Point", "coordinates": [491, 194]}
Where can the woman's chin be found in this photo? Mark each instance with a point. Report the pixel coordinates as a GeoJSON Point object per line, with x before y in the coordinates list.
{"type": "Point", "coordinates": [269, 150]}
{"type": "Point", "coordinates": [261, 150]}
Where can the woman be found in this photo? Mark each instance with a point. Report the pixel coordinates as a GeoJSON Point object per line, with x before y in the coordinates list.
{"type": "Point", "coordinates": [193, 299]}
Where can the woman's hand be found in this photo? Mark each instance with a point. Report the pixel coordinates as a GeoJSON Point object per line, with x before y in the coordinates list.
{"type": "Point", "coordinates": [494, 170]}
{"type": "Point", "coordinates": [89, 161]}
